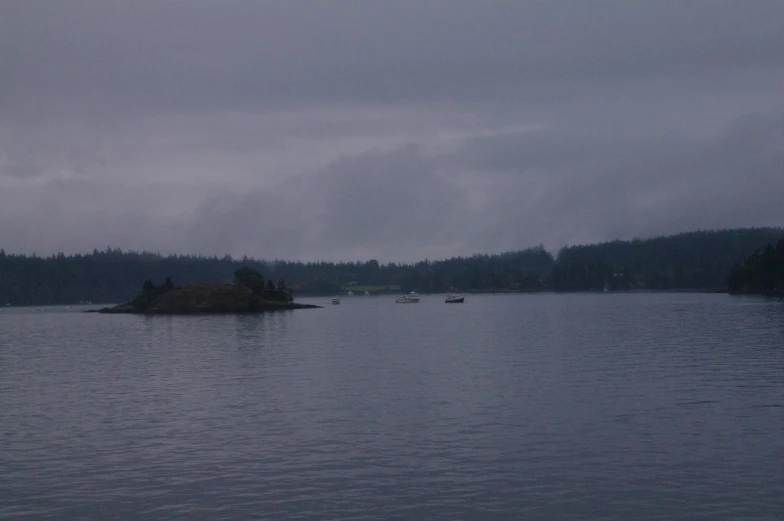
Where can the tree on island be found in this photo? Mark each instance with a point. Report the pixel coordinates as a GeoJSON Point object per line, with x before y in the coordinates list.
{"type": "Point", "coordinates": [251, 279]}
{"type": "Point", "coordinates": [282, 292]}
{"type": "Point", "coordinates": [269, 291]}
{"type": "Point", "coordinates": [254, 281]}
{"type": "Point", "coordinates": [150, 293]}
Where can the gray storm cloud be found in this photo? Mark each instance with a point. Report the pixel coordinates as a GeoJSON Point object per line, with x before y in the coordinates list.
{"type": "Point", "coordinates": [390, 130]}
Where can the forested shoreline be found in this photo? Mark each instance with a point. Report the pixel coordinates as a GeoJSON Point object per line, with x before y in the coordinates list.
{"type": "Point", "coordinates": [761, 273]}
{"type": "Point", "coordinates": [700, 260]}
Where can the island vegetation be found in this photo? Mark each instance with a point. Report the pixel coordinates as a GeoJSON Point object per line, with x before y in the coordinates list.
{"type": "Point", "coordinates": [761, 273]}
{"type": "Point", "coordinates": [700, 260]}
{"type": "Point", "coordinates": [248, 294]}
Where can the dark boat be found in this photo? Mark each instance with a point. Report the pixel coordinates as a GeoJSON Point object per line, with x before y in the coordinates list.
{"type": "Point", "coordinates": [454, 299]}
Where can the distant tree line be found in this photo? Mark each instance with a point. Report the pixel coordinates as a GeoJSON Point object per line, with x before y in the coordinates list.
{"type": "Point", "coordinates": [701, 260]}
{"type": "Point", "coordinates": [762, 272]}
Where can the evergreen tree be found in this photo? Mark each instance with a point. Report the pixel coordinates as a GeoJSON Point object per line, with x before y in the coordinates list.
{"type": "Point", "coordinates": [270, 291]}
{"type": "Point", "coordinates": [251, 279]}
{"type": "Point", "coordinates": [282, 292]}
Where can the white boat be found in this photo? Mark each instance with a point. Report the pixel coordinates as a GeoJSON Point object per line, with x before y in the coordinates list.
{"type": "Point", "coordinates": [454, 299]}
{"type": "Point", "coordinates": [350, 293]}
{"type": "Point", "coordinates": [335, 300]}
{"type": "Point", "coordinates": [367, 293]}
{"type": "Point", "coordinates": [411, 298]}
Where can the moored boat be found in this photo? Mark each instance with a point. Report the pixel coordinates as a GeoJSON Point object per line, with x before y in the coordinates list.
{"type": "Point", "coordinates": [335, 300]}
{"type": "Point", "coordinates": [411, 298]}
{"type": "Point", "coordinates": [454, 299]}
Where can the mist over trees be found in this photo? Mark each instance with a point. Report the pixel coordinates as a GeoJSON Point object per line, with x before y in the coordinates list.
{"type": "Point", "coordinates": [701, 260]}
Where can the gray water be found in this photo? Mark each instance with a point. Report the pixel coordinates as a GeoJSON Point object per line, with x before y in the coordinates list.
{"type": "Point", "coordinates": [645, 406]}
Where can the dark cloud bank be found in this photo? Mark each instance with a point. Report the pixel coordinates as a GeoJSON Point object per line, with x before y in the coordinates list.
{"type": "Point", "coordinates": [389, 130]}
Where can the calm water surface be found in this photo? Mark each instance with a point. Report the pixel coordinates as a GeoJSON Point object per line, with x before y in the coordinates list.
{"type": "Point", "coordinates": [647, 406]}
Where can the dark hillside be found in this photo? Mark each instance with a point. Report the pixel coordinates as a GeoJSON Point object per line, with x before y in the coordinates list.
{"type": "Point", "coordinates": [701, 260]}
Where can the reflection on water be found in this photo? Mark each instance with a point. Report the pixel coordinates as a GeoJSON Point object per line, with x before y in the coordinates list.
{"type": "Point", "coordinates": [655, 406]}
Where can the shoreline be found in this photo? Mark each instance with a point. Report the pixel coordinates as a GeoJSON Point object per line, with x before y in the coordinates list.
{"type": "Point", "coordinates": [271, 306]}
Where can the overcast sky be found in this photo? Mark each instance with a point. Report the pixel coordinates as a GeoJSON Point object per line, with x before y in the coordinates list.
{"type": "Point", "coordinates": [395, 130]}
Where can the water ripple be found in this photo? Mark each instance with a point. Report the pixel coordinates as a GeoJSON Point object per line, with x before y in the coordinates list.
{"type": "Point", "coordinates": [507, 407]}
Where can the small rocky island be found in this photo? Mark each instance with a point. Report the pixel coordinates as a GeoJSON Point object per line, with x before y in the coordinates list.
{"type": "Point", "coordinates": [248, 294]}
